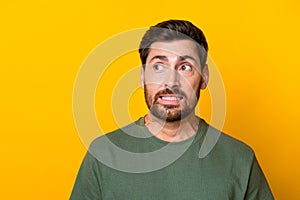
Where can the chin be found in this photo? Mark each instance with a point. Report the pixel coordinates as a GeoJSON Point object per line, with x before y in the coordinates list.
{"type": "Point", "coordinates": [169, 113]}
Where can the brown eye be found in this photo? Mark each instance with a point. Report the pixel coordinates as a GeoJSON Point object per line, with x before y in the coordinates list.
{"type": "Point", "coordinates": [186, 67]}
{"type": "Point", "coordinates": [158, 68]}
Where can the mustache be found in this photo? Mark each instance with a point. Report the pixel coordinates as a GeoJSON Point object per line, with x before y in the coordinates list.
{"type": "Point", "coordinates": [175, 91]}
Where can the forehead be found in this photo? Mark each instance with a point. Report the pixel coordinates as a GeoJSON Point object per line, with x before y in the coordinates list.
{"type": "Point", "coordinates": [174, 48]}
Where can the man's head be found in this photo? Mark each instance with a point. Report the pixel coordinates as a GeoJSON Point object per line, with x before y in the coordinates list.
{"type": "Point", "coordinates": [174, 55]}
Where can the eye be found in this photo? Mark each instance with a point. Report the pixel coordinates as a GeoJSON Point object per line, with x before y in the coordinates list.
{"type": "Point", "coordinates": [158, 67]}
{"type": "Point", "coordinates": [186, 67]}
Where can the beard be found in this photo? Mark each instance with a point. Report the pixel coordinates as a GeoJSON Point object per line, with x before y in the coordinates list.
{"type": "Point", "coordinates": [171, 113]}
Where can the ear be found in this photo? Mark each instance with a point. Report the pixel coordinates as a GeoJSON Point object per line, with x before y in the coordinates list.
{"type": "Point", "coordinates": [142, 77]}
{"type": "Point", "coordinates": [204, 77]}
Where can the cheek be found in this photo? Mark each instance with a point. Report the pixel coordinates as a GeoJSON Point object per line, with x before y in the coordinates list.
{"type": "Point", "coordinates": [192, 84]}
{"type": "Point", "coordinates": [152, 89]}
{"type": "Point", "coordinates": [156, 79]}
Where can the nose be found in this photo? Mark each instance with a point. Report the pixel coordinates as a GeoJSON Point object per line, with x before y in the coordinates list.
{"type": "Point", "coordinates": [172, 79]}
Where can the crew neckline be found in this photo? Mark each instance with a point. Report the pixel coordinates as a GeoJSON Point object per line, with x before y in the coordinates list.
{"type": "Point", "coordinates": [200, 133]}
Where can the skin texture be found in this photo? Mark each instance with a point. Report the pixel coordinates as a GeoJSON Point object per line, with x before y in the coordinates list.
{"type": "Point", "coordinates": [172, 80]}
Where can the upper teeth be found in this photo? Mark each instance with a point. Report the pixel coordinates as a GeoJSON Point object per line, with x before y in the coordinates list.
{"type": "Point", "coordinates": [171, 98]}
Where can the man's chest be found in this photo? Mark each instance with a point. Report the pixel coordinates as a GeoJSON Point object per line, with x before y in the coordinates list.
{"type": "Point", "coordinates": [181, 180]}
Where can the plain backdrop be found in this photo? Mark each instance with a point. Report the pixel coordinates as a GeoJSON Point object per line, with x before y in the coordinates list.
{"type": "Point", "coordinates": [254, 44]}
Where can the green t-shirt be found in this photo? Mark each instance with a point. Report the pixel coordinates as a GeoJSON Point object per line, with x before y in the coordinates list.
{"type": "Point", "coordinates": [130, 163]}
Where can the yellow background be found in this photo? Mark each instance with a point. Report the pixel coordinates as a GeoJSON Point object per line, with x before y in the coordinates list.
{"type": "Point", "coordinates": [255, 45]}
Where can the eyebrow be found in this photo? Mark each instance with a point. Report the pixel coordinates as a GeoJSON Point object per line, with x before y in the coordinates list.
{"type": "Point", "coordinates": [187, 57]}
{"type": "Point", "coordinates": [181, 58]}
{"type": "Point", "coordinates": [164, 58]}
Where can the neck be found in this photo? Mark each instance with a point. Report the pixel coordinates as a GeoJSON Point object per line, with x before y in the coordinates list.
{"type": "Point", "coordinates": [172, 131]}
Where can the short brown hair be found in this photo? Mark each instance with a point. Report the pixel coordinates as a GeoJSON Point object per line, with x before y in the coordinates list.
{"type": "Point", "coordinates": [174, 30]}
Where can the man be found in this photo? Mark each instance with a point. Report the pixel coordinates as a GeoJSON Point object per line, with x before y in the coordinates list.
{"type": "Point", "coordinates": [171, 153]}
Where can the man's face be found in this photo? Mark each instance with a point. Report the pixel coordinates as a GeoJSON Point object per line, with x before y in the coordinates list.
{"type": "Point", "coordinates": [172, 79]}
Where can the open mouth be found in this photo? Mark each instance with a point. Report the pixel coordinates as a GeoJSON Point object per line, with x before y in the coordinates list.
{"type": "Point", "coordinates": [171, 98]}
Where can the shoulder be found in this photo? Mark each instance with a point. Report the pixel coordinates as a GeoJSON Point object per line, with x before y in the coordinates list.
{"type": "Point", "coordinates": [221, 144]}
{"type": "Point", "coordinates": [232, 144]}
{"type": "Point", "coordinates": [227, 153]}
{"type": "Point", "coordinates": [120, 138]}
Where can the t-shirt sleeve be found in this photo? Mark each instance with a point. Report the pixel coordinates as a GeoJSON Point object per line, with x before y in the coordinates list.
{"type": "Point", "coordinates": [87, 184]}
{"type": "Point", "coordinates": [258, 188]}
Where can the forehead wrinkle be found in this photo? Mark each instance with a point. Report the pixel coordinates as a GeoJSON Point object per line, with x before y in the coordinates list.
{"type": "Point", "coordinates": [162, 48]}
{"type": "Point", "coordinates": [173, 58]}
